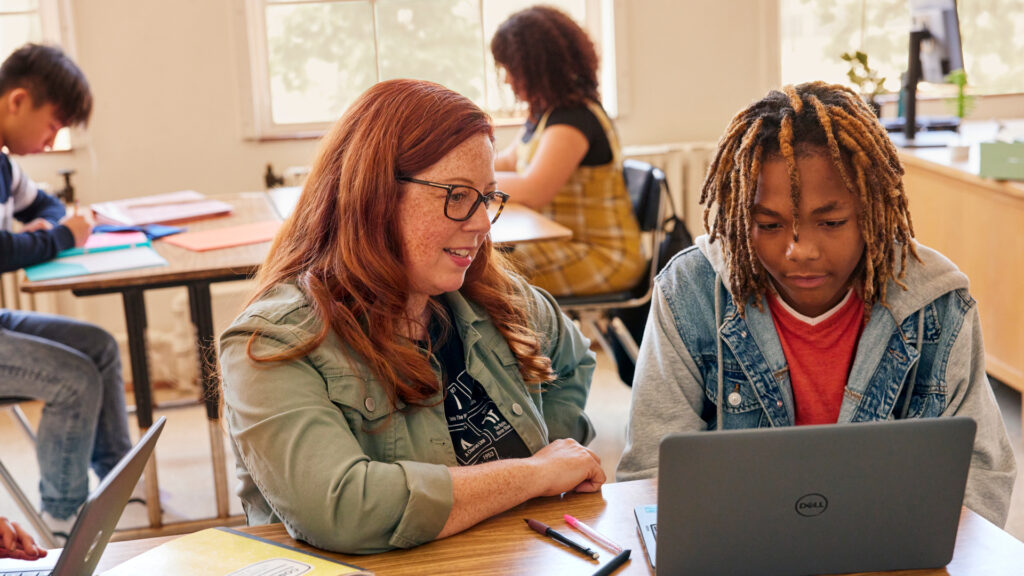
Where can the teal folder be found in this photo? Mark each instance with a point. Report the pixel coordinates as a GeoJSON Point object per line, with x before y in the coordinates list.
{"type": "Point", "coordinates": [83, 261]}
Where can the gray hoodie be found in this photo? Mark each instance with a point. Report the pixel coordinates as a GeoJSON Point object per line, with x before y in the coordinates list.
{"type": "Point", "coordinates": [929, 335]}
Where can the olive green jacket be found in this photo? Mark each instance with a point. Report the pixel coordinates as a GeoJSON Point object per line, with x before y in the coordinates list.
{"type": "Point", "coordinates": [318, 448]}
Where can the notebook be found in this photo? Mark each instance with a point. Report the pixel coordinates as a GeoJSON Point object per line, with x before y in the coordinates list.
{"type": "Point", "coordinates": [227, 552]}
{"type": "Point", "coordinates": [96, 520]}
{"type": "Point", "coordinates": [171, 207]}
{"type": "Point", "coordinates": [85, 261]}
{"type": "Point", "coordinates": [812, 499]}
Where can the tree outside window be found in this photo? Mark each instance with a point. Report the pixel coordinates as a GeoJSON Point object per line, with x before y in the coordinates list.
{"type": "Point", "coordinates": [313, 58]}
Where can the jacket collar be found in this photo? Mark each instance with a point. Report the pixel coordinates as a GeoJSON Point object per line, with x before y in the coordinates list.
{"type": "Point", "coordinates": [926, 280]}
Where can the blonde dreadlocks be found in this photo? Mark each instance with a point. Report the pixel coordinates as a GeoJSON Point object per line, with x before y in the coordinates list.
{"type": "Point", "coordinates": [809, 117]}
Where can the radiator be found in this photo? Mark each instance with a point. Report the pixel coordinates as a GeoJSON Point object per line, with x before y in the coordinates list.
{"type": "Point", "coordinates": [685, 164]}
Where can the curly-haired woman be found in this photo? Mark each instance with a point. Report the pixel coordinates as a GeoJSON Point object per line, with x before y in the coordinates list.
{"type": "Point", "coordinates": [565, 162]}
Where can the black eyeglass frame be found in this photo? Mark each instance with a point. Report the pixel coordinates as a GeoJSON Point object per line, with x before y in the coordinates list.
{"type": "Point", "coordinates": [481, 198]}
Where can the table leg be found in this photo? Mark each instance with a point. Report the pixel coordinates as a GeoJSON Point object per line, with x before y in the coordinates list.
{"type": "Point", "coordinates": [135, 321]}
{"type": "Point", "coordinates": [202, 318]}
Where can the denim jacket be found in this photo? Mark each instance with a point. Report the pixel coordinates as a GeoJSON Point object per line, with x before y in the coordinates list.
{"type": "Point", "coordinates": [929, 333]}
{"type": "Point", "coordinates": [318, 448]}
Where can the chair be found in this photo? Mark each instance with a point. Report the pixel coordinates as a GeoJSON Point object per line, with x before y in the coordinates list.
{"type": "Point", "coordinates": [41, 529]}
{"type": "Point", "coordinates": [646, 186]}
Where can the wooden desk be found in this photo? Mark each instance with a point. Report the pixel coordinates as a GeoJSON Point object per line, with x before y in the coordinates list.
{"type": "Point", "coordinates": [504, 544]}
{"type": "Point", "coordinates": [195, 271]}
{"type": "Point", "coordinates": [517, 224]}
{"type": "Point", "coordinates": [978, 223]}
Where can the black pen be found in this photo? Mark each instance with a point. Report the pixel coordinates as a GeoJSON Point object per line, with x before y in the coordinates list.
{"type": "Point", "coordinates": [542, 528]}
{"type": "Point", "coordinates": [613, 564]}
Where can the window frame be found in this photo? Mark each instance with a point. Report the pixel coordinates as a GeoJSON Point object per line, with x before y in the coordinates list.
{"type": "Point", "coordinates": [55, 26]}
{"type": "Point", "coordinates": [254, 81]}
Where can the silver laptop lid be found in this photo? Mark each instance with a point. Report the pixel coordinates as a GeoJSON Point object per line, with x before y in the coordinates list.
{"type": "Point", "coordinates": [102, 510]}
{"type": "Point", "coordinates": [812, 499]}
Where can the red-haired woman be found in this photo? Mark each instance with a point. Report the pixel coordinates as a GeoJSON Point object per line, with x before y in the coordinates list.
{"type": "Point", "coordinates": [390, 383]}
{"type": "Point", "coordinates": [566, 161]}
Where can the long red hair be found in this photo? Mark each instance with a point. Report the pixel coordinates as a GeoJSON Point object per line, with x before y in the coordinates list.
{"type": "Point", "coordinates": [340, 244]}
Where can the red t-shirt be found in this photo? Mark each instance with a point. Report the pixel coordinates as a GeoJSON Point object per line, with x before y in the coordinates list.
{"type": "Point", "coordinates": [819, 352]}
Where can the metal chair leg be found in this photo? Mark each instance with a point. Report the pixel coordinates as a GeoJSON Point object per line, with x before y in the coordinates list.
{"type": "Point", "coordinates": [625, 338]}
{"type": "Point", "coordinates": [42, 530]}
{"type": "Point", "coordinates": [19, 415]}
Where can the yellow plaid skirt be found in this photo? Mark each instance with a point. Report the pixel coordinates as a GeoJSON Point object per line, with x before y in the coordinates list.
{"type": "Point", "coordinates": [604, 253]}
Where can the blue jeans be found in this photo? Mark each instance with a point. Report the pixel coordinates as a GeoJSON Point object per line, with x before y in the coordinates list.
{"type": "Point", "coordinates": [75, 369]}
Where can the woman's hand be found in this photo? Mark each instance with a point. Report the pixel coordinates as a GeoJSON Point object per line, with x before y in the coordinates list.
{"type": "Point", "coordinates": [566, 465]}
{"type": "Point", "coordinates": [483, 490]}
{"type": "Point", "coordinates": [16, 543]}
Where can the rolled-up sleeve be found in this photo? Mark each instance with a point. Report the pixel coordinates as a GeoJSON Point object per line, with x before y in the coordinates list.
{"type": "Point", "coordinates": [300, 452]}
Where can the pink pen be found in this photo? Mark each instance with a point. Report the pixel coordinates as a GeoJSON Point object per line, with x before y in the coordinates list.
{"type": "Point", "coordinates": [592, 534]}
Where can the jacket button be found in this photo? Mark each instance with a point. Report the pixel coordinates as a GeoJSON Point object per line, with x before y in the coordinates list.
{"type": "Point", "coordinates": [517, 409]}
{"type": "Point", "coordinates": [735, 399]}
{"type": "Point", "coordinates": [370, 404]}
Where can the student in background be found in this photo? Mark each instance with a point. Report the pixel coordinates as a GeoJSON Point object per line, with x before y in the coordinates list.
{"type": "Point", "coordinates": [811, 302]}
{"type": "Point", "coordinates": [566, 162]}
{"type": "Point", "coordinates": [75, 368]}
{"type": "Point", "coordinates": [16, 543]}
{"type": "Point", "coordinates": [391, 383]}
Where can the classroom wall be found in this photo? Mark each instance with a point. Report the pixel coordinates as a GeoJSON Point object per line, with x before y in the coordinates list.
{"type": "Point", "coordinates": [168, 93]}
{"type": "Point", "coordinates": [166, 81]}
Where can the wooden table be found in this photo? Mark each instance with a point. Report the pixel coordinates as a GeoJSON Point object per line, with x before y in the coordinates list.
{"type": "Point", "coordinates": [504, 544]}
{"type": "Point", "coordinates": [977, 223]}
{"type": "Point", "coordinates": [195, 271]}
{"type": "Point", "coordinates": [518, 224]}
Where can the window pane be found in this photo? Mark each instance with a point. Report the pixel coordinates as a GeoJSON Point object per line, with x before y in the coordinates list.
{"type": "Point", "coordinates": [17, 30]}
{"type": "Point", "coordinates": [438, 40]}
{"type": "Point", "coordinates": [993, 38]}
{"type": "Point", "coordinates": [500, 100]}
{"type": "Point", "coordinates": [320, 58]}
{"type": "Point", "coordinates": [815, 34]}
{"type": "Point", "coordinates": [18, 5]}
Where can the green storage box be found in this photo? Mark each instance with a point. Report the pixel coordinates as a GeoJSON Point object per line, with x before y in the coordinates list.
{"type": "Point", "coordinates": [1002, 160]}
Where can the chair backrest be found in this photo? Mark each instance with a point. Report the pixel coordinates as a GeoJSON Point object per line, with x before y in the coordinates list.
{"type": "Point", "coordinates": [644, 183]}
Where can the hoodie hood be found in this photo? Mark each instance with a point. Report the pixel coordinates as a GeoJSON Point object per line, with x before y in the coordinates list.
{"type": "Point", "coordinates": [926, 280]}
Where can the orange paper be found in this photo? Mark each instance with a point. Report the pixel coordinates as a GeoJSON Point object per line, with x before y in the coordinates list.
{"type": "Point", "coordinates": [225, 237]}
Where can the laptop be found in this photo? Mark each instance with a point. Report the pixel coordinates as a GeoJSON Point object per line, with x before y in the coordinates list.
{"type": "Point", "coordinates": [97, 519]}
{"type": "Point", "coordinates": [825, 499]}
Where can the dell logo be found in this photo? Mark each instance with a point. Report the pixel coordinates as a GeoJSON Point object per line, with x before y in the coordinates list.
{"type": "Point", "coordinates": [811, 505]}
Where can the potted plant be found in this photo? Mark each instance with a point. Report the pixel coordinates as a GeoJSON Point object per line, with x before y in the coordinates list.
{"type": "Point", "coordinates": [865, 78]}
{"type": "Point", "coordinates": [962, 103]}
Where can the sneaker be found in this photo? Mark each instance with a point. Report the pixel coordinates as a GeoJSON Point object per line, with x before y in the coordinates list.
{"type": "Point", "coordinates": [60, 527]}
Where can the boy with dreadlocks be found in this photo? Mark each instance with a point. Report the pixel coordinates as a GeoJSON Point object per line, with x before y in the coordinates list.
{"type": "Point", "coordinates": [810, 301]}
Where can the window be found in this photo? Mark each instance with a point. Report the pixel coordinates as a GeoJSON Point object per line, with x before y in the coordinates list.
{"type": "Point", "coordinates": [45, 21]}
{"type": "Point", "coordinates": [814, 33]}
{"type": "Point", "coordinates": [310, 59]}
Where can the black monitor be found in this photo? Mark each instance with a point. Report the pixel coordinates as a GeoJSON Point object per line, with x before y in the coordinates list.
{"type": "Point", "coordinates": [934, 52]}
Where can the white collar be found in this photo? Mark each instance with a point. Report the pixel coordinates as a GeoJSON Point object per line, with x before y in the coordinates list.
{"type": "Point", "coordinates": [817, 319]}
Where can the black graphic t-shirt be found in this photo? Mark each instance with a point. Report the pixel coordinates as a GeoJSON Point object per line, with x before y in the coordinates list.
{"type": "Point", "coordinates": [479, 431]}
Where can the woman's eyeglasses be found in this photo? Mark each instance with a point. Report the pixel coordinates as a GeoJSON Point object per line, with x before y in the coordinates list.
{"type": "Point", "coordinates": [462, 201]}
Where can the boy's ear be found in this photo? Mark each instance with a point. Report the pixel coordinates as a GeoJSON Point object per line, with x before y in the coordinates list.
{"type": "Point", "coordinates": [17, 99]}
